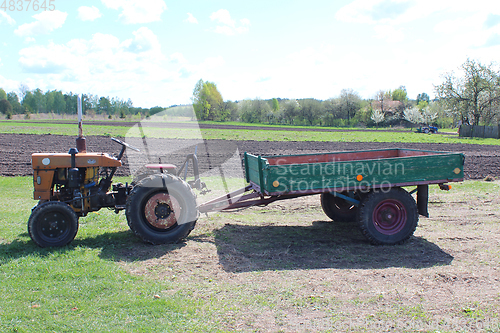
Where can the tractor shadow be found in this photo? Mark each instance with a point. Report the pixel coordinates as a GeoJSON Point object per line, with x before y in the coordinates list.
{"type": "Point", "coordinates": [121, 246]}
{"type": "Point", "coordinates": [243, 248]}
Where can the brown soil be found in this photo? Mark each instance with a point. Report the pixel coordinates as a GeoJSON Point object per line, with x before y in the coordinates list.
{"type": "Point", "coordinates": [287, 268]}
{"type": "Point", "coordinates": [16, 149]}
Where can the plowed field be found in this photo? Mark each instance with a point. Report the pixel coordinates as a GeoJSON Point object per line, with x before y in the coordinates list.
{"type": "Point", "coordinates": [16, 150]}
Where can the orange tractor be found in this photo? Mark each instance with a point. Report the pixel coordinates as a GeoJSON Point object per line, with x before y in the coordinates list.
{"type": "Point", "coordinates": [160, 207]}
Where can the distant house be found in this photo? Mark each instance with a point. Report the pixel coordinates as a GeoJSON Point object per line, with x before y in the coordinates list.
{"type": "Point", "coordinates": [390, 108]}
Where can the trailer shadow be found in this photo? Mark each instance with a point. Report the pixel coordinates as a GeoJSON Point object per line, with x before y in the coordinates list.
{"type": "Point", "coordinates": [243, 248]}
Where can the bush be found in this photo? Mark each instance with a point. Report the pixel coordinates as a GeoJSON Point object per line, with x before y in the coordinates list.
{"type": "Point", "coordinates": [443, 122]}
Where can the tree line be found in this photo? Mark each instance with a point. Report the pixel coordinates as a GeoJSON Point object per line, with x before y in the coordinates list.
{"type": "Point", "coordinates": [29, 102]}
{"type": "Point", "coordinates": [347, 109]}
{"type": "Point", "coordinates": [470, 97]}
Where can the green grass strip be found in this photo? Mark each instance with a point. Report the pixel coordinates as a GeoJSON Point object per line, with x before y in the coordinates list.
{"type": "Point", "coordinates": [243, 134]}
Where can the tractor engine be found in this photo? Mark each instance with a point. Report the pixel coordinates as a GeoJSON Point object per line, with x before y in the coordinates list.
{"type": "Point", "coordinates": [74, 178]}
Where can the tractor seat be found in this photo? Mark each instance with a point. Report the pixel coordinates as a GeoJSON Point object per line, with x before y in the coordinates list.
{"type": "Point", "coordinates": [161, 167]}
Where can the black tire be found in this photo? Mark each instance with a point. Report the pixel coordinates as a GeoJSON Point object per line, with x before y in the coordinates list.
{"type": "Point", "coordinates": [426, 130]}
{"type": "Point", "coordinates": [162, 209]}
{"type": "Point", "coordinates": [53, 224]}
{"type": "Point", "coordinates": [338, 209]}
{"type": "Point", "coordinates": [141, 174]}
{"type": "Point", "coordinates": [388, 217]}
{"type": "Point", "coordinates": [144, 172]}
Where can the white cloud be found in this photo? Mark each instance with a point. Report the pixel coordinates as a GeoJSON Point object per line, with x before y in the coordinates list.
{"type": "Point", "coordinates": [384, 14]}
{"type": "Point", "coordinates": [138, 11]}
{"type": "Point", "coordinates": [388, 16]}
{"type": "Point", "coordinates": [178, 58]}
{"type": "Point", "coordinates": [245, 22]}
{"type": "Point", "coordinates": [212, 62]}
{"type": "Point", "coordinates": [46, 59]}
{"type": "Point", "coordinates": [4, 17]}
{"type": "Point", "coordinates": [102, 42]}
{"type": "Point", "coordinates": [228, 25]}
{"type": "Point", "coordinates": [461, 23]}
{"type": "Point", "coordinates": [44, 23]}
{"type": "Point", "coordinates": [225, 30]}
{"type": "Point", "coordinates": [144, 40]}
{"type": "Point", "coordinates": [86, 13]}
{"type": "Point", "coordinates": [222, 16]}
{"type": "Point", "coordinates": [389, 33]}
{"type": "Point", "coordinates": [470, 30]}
{"type": "Point", "coordinates": [389, 11]}
{"type": "Point", "coordinates": [403, 11]}
{"type": "Point", "coordinates": [108, 66]}
{"type": "Point", "coordinates": [358, 11]}
{"type": "Point", "coordinates": [8, 85]}
{"type": "Point", "coordinates": [308, 72]}
{"type": "Point", "coordinates": [191, 19]}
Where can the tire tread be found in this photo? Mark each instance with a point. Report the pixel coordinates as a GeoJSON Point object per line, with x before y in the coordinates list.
{"type": "Point", "coordinates": [366, 207]}
{"type": "Point", "coordinates": [136, 196]}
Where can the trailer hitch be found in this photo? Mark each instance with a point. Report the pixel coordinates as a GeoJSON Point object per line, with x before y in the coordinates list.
{"type": "Point", "coordinates": [196, 183]}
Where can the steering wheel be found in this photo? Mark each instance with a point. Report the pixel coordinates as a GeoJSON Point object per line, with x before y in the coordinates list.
{"type": "Point", "coordinates": [124, 144]}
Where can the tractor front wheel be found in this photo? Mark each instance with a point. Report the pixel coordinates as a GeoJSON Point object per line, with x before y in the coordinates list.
{"type": "Point", "coordinates": [52, 223]}
{"type": "Point", "coordinates": [162, 209]}
{"type": "Point", "coordinates": [388, 217]}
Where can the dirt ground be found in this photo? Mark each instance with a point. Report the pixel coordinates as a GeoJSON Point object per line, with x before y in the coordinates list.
{"type": "Point", "coordinates": [16, 150]}
{"type": "Point", "coordinates": [287, 268]}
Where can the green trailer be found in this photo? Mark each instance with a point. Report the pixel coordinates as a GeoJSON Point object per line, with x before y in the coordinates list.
{"type": "Point", "coordinates": [367, 187]}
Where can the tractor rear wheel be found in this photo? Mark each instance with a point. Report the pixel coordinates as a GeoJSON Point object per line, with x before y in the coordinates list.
{"type": "Point", "coordinates": [162, 209]}
{"type": "Point", "coordinates": [388, 217]}
{"type": "Point", "coordinates": [338, 209]}
{"type": "Point", "coordinates": [53, 223]}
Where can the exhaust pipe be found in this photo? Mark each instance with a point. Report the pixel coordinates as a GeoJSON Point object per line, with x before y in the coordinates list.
{"type": "Point", "coordinates": [81, 144]}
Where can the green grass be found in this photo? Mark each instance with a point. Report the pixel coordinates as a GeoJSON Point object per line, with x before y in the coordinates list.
{"type": "Point", "coordinates": [240, 123]}
{"type": "Point", "coordinates": [283, 263]}
{"type": "Point", "coordinates": [60, 129]}
{"type": "Point", "coordinates": [80, 287]}
{"type": "Point", "coordinates": [345, 135]}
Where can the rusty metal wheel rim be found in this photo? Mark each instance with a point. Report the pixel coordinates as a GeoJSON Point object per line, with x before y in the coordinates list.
{"type": "Point", "coordinates": [389, 217]}
{"type": "Point", "coordinates": [162, 211]}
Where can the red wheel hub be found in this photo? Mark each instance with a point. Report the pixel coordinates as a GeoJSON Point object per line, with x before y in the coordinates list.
{"type": "Point", "coordinates": [162, 210]}
{"type": "Point", "coordinates": [389, 217]}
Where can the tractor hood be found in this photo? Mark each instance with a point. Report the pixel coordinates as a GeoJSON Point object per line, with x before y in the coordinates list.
{"type": "Point", "coordinates": [47, 161]}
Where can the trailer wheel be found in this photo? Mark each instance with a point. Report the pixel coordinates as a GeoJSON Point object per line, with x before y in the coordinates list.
{"type": "Point", "coordinates": [338, 209]}
{"type": "Point", "coordinates": [162, 209]}
{"type": "Point", "coordinates": [389, 217]}
{"type": "Point", "coordinates": [52, 223]}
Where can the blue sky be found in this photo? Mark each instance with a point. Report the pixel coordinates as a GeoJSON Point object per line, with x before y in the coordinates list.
{"type": "Point", "coordinates": [154, 51]}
